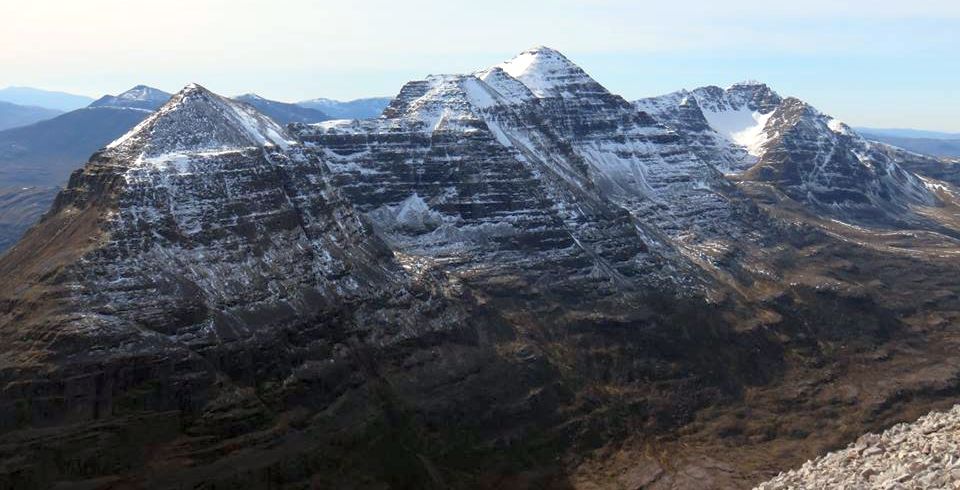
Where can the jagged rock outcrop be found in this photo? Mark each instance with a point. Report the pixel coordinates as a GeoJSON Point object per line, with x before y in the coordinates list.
{"type": "Point", "coordinates": [921, 454]}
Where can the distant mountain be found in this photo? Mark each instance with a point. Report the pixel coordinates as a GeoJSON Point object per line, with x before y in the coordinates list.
{"type": "Point", "coordinates": [46, 152]}
{"type": "Point", "coordinates": [139, 97]}
{"type": "Point", "coordinates": [14, 115]}
{"type": "Point", "coordinates": [368, 108]}
{"type": "Point", "coordinates": [28, 96]}
{"type": "Point", "coordinates": [938, 147]}
{"type": "Point", "coordinates": [283, 112]}
{"type": "Point", "coordinates": [909, 133]}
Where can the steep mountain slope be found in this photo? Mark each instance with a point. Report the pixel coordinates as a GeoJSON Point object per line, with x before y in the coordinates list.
{"type": "Point", "coordinates": [367, 108]}
{"type": "Point", "coordinates": [59, 101]}
{"type": "Point", "coordinates": [13, 115]}
{"type": "Point", "coordinates": [282, 112]}
{"type": "Point", "coordinates": [207, 251]}
{"type": "Point", "coordinates": [511, 279]}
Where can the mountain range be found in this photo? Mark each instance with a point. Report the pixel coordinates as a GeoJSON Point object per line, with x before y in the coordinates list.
{"type": "Point", "coordinates": [511, 278]}
{"type": "Point", "coordinates": [60, 101]}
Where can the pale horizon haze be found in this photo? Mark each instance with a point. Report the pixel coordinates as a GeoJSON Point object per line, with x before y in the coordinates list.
{"type": "Point", "coordinates": [878, 64]}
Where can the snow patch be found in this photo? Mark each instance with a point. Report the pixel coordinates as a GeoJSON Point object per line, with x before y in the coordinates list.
{"type": "Point", "coordinates": [742, 127]}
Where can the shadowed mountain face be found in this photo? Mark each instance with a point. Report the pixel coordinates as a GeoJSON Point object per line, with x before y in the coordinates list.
{"type": "Point", "coordinates": [510, 279]}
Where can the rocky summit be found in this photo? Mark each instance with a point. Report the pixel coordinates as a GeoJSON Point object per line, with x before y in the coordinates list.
{"type": "Point", "coordinates": [512, 278]}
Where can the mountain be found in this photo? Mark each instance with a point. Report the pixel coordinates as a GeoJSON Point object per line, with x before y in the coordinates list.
{"type": "Point", "coordinates": [749, 130]}
{"type": "Point", "coordinates": [59, 101]}
{"type": "Point", "coordinates": [282, 112]}
{"type": "Point", "coordinates": [512, 278]}
{"type": "Point", "coordinates": [139, 97]}
{"type": "Point", "coordinates": [12, 115]}
{"type": "Point", "coordinates": [368, 108]}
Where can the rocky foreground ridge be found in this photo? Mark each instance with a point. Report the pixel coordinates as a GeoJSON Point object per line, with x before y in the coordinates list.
{"type": "Point", "coordinates": [511, 279]}
{"type": "Point", "coordinates": [921, 454]}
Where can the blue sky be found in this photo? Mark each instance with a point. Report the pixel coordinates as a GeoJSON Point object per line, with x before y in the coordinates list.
{"type": "Point", "coordinates": [878, 63]}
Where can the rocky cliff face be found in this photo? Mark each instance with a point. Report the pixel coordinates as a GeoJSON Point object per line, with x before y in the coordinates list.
{"type": "Point", "coordinates": [511, 279]}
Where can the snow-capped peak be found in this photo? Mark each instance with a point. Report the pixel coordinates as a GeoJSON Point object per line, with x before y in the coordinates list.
{"type": "Point", "coordinates": [143, 92]}
{"type": "Point", "coordinates": [748, 83]}
{"type": "Point", "coordinates": [548, 73]}
{"type": "Point", "coordinates": [248, 96]}
{"type": "Point", "coordinates": [196, 119]}
{"type": "Point", "coordinates": [139, 97]}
